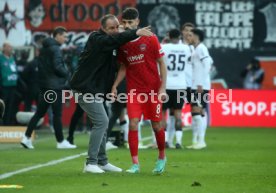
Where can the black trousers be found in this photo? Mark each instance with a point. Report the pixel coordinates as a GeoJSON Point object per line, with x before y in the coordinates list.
{"type": "Point", "coordinates": [116, 110]}
{"type": "Point", "coordinates": [31, 95]}
{"type": "Point", "coordinates": [78, 113]}
{"type": "Point", "coordinates": [42, 108]}
{"type": "Point", "coordinates": [8, 96]}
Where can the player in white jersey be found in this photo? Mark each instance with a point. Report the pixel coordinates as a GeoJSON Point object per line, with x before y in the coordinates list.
{"type": "Point", "coordinates": [176, 57]}
{"type": "Point", "coordinates": [201, 85]}
{"type": "Point", "coordinates": [170, 130]}
{"type": "Point", "coordinates": [186, 29]}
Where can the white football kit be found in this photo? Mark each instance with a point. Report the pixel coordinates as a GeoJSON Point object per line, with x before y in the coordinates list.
{"type": "Point", "coordinates": [176, 58]}
{"type": "Point", "coordinates": [189, 66]}
{"type": "Point", "coordinates": [202, 63]}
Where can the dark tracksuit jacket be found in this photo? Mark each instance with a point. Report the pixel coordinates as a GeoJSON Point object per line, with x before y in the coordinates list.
{"type": "Point", "coordinates": [97, 64]}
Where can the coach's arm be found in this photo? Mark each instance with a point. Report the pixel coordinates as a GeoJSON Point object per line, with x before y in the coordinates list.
{"type": "Point", "coordinates": [120, 77]}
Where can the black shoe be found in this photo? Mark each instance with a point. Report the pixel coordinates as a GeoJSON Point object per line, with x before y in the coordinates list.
{"type": "Point", "coordinates": [178, 146]}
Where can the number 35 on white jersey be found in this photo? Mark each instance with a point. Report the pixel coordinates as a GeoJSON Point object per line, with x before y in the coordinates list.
{"type": "Point", "coordinates": [176, 58]}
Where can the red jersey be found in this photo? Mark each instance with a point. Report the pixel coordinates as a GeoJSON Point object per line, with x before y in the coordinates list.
{"type": "Point", "coordinates": [140, 57]}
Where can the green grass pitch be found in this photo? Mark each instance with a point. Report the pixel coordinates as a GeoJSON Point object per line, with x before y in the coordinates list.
{"type": "Point", "coordinates": [237, 160]}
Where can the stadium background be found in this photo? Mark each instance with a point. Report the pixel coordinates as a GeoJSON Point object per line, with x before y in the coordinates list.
{"type": "Point", "coordinates": [236, 32]}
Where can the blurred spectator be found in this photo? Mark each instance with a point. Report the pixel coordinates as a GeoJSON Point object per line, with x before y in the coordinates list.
{"type": "Point", "coordinates": [52, 77]}
{"type": "Point", "coordinates": [32, 78]}
{"type": "Point", "coordinates": [253, 75]}
{"type": "Point", "coordinates": [22, 87]}
{"type": "Point", "coordinates": [8, 83]}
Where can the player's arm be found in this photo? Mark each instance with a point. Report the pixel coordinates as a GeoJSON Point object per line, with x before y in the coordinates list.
{"type": "Point", "coordinates": [120, 77]}
{"type": "Point", "coordinates": [204, 71]}
{"type": "Point", "coordinates": [110, 42]}
{"type": "Point", "coordinates": [163, 75]}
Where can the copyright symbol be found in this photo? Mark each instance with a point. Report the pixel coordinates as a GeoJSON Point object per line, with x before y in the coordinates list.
{"type": "Point", "coordinates": [50, 96]}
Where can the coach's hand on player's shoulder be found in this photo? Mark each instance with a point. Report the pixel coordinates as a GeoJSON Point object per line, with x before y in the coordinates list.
{"type": "Point", "coordinates": [145, 31]}
{"type": "Point", "coordinates": [162, 93]}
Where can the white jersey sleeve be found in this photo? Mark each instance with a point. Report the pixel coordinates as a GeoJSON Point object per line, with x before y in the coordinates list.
{"type": "Point", "coordinates": [176, 58]}
{"type": "Point", "coordinates": [202, 63]}
{"type": "Point", "coordinates": [189, 68]}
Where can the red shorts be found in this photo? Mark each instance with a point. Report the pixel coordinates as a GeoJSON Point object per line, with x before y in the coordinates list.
{"type": "Point", "coordinates": [137, 106]}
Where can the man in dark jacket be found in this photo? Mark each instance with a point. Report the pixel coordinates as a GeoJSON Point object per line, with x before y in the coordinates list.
{"type": "Point", "coordinates": [95, 75]}
{"type": "Point", "coordinates": [53, 75]}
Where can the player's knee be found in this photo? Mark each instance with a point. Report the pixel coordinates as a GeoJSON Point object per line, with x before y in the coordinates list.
{"type": "Point", "coordinates": [133, 125]}
{"type": "Point", "coordinates": [196, 109]}
{"type": "Point", "coordinates": [156, 126]}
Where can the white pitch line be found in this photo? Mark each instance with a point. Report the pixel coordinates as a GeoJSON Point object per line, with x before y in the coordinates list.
{"type": "Point", "coordinates": [50, 163]}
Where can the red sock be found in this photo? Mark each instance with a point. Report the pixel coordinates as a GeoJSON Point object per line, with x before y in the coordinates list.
{"type": "Point", "coordinates": [160, 139]}
{"type": "Point", "coordinates": [133, 145]}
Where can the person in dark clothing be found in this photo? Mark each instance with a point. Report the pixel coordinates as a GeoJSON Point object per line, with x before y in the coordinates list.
{"type": "Point", "coordinates": [32, 78]}
{"type": "Point", "coordinates": [253, 75]}
{"type": "Point", "coordinates": [78, 113]}
{"type": "Point", "coordinates": [117, 109]}
{"type": "Point", "coordinates": [53, 75]}
{"type": "Point", "coordinates": [21, 82]}
{"type": "Point", "coordinates": [94, 75]}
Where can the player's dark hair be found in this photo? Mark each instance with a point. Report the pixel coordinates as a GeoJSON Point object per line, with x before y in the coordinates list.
{"type": "Point", "coordinates": [255, 63]}
{"type": "Point", "coordinates": [187, 24]}
{"type": "Point", "coordinates": [199, 33]}
{"type": "Point", "coordinates": [174, 34]}
{"type": "Point", "coordinates": [105, 18]}
{"type": "Point", "coordinates": [130, 13]}
{"type": "Point", "coordinates": [59, 30]}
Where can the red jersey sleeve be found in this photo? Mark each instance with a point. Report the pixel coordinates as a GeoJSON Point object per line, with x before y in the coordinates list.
{"type": "Point", "coordinates": [158, 51]}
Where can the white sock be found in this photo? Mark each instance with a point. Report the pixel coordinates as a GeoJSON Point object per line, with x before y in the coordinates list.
{"type": "Point", "coordinates": [166, 136]}
{"type": "Point", "coordinates": [153, 138]}
{"type": "Point", "coordinates": [124, 128]}
{"type": "Point", "coordinates": [196, 125]}
{"type": "Point", "coordinates": [178, 135]}
{"type": "Point", "coordinates": [202, 130]}
{"type": "Point", "coordinates": [171, 130]}
{"type": "Point", "coordinates": [139, 131]}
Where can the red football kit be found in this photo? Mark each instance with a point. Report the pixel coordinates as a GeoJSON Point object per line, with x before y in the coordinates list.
{"type": "Point", "coordinates": [142, 76]}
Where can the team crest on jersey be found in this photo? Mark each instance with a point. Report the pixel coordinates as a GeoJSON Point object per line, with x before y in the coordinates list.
{"type": "Point", "coordinates": [143, 47]}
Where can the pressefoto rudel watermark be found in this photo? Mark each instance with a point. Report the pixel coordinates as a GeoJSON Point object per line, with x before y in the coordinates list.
{"type": "Point", "coordinates": [50, 96]}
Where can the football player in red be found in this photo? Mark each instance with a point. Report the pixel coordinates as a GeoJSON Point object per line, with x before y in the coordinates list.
{"type": "Point", "coordinates": [142, 63]}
